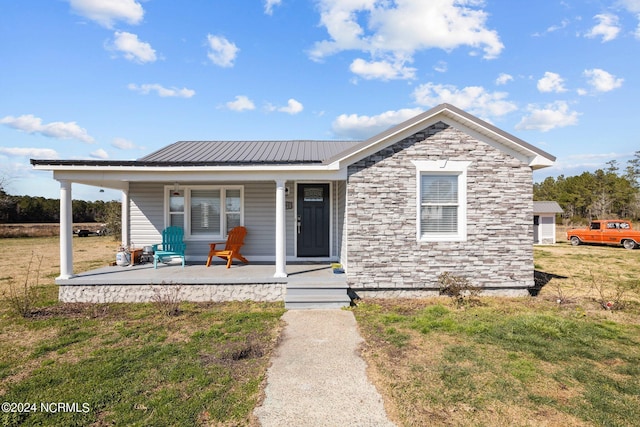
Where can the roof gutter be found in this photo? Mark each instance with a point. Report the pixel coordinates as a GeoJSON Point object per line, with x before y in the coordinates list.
{"type": "Point", "coordinates": [124, 166]}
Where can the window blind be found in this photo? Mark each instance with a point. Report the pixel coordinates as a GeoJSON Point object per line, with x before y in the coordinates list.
{"type": "Point", "coordinates": [439, 204]}
{"type": "Point", "coordinates": [205, 212]}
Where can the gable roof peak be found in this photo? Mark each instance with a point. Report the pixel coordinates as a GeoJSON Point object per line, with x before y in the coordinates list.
{"type": "Point", "coordinates": [452, 116]}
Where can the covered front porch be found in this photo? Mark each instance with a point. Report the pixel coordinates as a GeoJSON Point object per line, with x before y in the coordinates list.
{"type": "Point", "coordinates": [307, 285]}
{"type": "Point", "coordinates": [288, 194]}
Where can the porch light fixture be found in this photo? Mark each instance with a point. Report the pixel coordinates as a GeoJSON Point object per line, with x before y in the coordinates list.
{"type": "Point", "coordinates": [176, 189]}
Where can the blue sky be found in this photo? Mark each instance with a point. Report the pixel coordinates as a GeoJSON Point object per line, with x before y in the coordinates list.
{"type": "Point", "coordinates": [118, 79]}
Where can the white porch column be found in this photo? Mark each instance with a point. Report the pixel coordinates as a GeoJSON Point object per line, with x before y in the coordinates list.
{"type": "Point", "coordinates": [281, 238]}
{"type": "Point", "coordinates": [124, 217]}
{"type": "Point", "coordinates": [66, 231]}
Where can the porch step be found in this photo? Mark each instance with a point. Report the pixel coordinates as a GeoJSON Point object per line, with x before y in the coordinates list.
{"type": "Point", "coordinates": [315, 295]}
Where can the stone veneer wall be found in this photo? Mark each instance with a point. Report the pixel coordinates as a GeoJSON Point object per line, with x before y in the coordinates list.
{"type": "Point", "coordinates": [385, 258]}
{"type": "Point", "coordinates": [269, 292]}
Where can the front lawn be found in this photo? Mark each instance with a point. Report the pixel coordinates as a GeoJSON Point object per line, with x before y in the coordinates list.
{"type": "Point", "coordinates": [131, 364]}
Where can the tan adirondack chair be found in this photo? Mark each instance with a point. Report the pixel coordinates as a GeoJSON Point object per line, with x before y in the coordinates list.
{"type": "Point", "coordinates": [232, 246]}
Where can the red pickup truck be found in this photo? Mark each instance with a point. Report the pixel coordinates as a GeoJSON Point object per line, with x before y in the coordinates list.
{"type": "Point", "coordinates": [606, 232]}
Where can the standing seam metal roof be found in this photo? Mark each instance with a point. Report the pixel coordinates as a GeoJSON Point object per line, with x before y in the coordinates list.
{"type": "Point", "coordinates": [305, 151]}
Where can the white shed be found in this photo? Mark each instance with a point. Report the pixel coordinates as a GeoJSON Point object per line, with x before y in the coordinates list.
{"type": "Point", "coordinates": [544, 222]}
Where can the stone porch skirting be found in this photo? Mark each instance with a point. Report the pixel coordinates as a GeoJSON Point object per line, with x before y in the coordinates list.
{"type": "Point", "coordinates": [267, 292]}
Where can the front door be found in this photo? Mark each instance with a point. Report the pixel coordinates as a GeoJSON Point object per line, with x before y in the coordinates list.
{"type": "Point", "coordinates": [313, 220]}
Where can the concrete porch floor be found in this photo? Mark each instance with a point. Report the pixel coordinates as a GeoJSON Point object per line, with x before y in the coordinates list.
{"type": "Point", "coordinates": [216, 274]}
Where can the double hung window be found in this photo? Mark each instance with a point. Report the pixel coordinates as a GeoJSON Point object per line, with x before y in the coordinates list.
{"type": "Point", "coordinates": [441, 200]}
{"type": "Point", "coordinates": [439, 204]}
{"type": "Point", "coordinates": [205, 211]}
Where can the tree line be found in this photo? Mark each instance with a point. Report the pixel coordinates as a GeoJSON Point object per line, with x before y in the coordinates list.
{"type": "Point", "coordinates": [611, 192]}
{"type": "Point", "coordinates": [28, 209]}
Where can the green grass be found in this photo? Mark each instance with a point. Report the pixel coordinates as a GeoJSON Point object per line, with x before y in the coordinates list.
{"type": "Point", "coordinates": [134, 366]}
{"type": "Point", "coordinates": [505, 356]}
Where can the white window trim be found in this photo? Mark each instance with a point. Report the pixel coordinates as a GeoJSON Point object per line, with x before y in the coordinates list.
{"type": "Point", "coordinates": [187, 208]}
{"type": "Point", "coordinates": [443, 167]}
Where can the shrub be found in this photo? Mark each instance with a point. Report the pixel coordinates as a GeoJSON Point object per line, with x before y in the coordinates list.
{"type": "Point", "coordinates": [22, 297]}
{"type": "Point", "coordinates": [166, 299]}
{"type": "Point", "coordinates": [459, 288]}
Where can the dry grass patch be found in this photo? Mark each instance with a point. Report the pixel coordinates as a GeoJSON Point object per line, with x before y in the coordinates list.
{"type": "Point", "coordinates": [88, 253]}
{"type": "Point", "coordinates": [588, 272]}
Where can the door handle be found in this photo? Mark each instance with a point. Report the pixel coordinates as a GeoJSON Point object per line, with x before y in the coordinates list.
{"type": "Point", "coordinates": [299, 224]}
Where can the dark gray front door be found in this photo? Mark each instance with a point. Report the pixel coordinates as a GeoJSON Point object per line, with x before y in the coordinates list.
{"type": "Point", "coordinates": [313, 220]}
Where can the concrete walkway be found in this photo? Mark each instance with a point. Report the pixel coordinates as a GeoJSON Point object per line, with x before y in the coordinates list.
{"type": "Point", "coordinates": [317, 377]}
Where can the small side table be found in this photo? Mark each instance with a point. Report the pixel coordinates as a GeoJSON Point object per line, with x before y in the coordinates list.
{"type": "Point", "coordinates": [136, 254]}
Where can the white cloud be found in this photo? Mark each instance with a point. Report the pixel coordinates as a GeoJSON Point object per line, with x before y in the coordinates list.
{"type": "Point", "coordinates": [474, 99]}
{"type": "Point", "coordinates": [99, 154]}
{"type": "Point", "coordinates": [132, 48]}
{"type": "Point", "coordinates": [587, 161]}
{"type": "Point", "coordinates": [563, 24]}
{"type": "Point", "coordinates": [162, 91]}
{"type": "Point", "coordinates": [598, 156]}
{"type": "Point", "coordinates": [221, 51]}
{"type": "Point", "coordinates": [382, 70]}
{"type": "Point", "coordinates": [551, 82]}
{"type": "Point", "coordinates": [602, 81]}
{"type": "Point", "coordinates": [34, 153]}
{"type": "Point", "coordinates": [503, 79]}
{"type": "Point", "coordinates": [607, 27]}
{"type": "Point", "coordinates": [362, 127]}
{"type": "Point", "coordinates": [269, 5]}
{"type": "Point", "coordinates": [60, 130]}
{"type": "Point", "coordinates": [293, 107]}
{"type": "Point", "coordinates": [441, 67]}
{"type": "Point", "coordinates": [632, 6]}
{"type": "Point", "coordinates": [242, 103]}
{"type": "Point", "coordinates": [549, 117]}
{"type": "Point", "coordinates": [398, 29]}
{"type": "Point", "coordinates": [106, 12]}
{"type": "Point", "coordinates": [123, 144]}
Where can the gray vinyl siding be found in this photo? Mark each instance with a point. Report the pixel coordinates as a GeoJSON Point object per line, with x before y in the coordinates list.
{"type": "Point", "coordinates": [148, 219]}
{"type": "Point", "coordinates": [260, 218]}
{"type": "Point", "coordinates": [146, 204]}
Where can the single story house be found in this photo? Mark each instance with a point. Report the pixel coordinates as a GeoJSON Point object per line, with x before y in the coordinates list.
{"type": "Point", "coordinates": [441, 192]}
{"type": "Point", "coordinates": [544, 222]}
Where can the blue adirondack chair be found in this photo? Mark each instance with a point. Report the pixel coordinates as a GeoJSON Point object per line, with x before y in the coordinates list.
{"type": "Point", "coordinates": [172, 245]}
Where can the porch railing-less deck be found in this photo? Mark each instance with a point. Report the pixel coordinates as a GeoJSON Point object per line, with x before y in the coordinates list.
{"type": "Point", "coordinates": [306, 286]}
